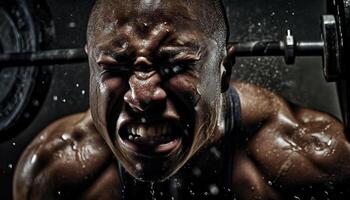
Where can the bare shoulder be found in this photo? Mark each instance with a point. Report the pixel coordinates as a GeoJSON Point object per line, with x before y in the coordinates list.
{"type": "Point", "coordinates": [257, 103]}
{"type": "Point", "coordinates": [65, 158]}
{"type": "Point", "coordinates": [291, 139]}
{"type": "Point", "coordinates": [261, 105]}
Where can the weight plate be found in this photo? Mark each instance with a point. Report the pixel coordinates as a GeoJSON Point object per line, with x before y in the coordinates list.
{"type": "Point", "coordinates": [344, 87]}
{"type": "Point", "coordinates": [341, 10]}
{"type": "Point", "coordinates": [332, 52]}
{"type": "Point", "coordinates": [22, 89]}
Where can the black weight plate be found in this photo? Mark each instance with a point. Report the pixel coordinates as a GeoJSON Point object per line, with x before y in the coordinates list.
{"type": "Point", "coordinates": [22, 89]}
{"type": "Point", "coordinates": [344, 86]}
{"type": "Point", "coordinates": [341, 10]}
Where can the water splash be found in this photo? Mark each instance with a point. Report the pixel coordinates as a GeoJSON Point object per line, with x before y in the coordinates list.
{"type": "Point", "coordinates": [152, 191]}
{"type": "Point", "coordinates": [214, 190]}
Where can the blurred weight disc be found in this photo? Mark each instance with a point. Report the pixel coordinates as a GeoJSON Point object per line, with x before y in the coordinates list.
{"type": "Point", "coordinates": [22, 89]}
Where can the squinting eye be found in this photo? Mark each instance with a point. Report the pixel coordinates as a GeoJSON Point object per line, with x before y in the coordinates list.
{"type": "Point", "coordinates": [115, 69]}
{"type": "Point", "coordinates": [175, 69]}
{"type": "Point", "coordinates": [178, 68]}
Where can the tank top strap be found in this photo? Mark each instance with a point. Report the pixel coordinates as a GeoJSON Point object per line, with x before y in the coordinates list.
{"type": "Point", "coordinates": [232, 128]}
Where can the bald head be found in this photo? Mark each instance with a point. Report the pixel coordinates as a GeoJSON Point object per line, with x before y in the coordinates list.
{"type": "Point", "coordinates": [159, 60]}
{"type": "Point", "coordinates": [208, 15]}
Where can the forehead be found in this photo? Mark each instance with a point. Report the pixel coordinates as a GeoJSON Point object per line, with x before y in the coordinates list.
{"type": "Point", "coordinates": [122, 8]}
{"type": "Point", "coordinates": [111, 19]}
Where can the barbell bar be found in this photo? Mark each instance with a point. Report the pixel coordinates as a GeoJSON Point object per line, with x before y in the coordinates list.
{"type": "Point", "coordinates": [288, 48]}
{"type": "Point", "coordinates": [243, 49]}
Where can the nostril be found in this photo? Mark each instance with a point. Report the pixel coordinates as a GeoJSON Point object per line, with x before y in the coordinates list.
{"type": "Point", "coordinates": [127, 97]}
{"type": "Point", "coordinates": [142, 101]}
{"type": "Point", "coordinates": [145, 91]}
{"type": "Point", "coordinates": [159, 94]}
{"type": "Point", "coordinates": [130, 99]}
{"type": "Point", "coordinates": [142, 61]}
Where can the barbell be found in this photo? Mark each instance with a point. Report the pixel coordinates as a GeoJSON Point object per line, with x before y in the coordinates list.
{"type": "Point", "coordinates": [329, 49]}
{"type": "Point", "coordinates": [334, 43]}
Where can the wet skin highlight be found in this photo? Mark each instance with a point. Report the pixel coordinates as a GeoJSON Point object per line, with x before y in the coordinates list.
{"type": "Point", "coordinates": [158, 87]}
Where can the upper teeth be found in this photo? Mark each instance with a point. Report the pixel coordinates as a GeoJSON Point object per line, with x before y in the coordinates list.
{"type": "Point", "coordinates": [144, 130]}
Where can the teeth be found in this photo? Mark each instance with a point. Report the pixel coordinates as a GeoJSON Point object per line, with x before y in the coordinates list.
{"type": "Point", "coordinates": [131, 137]}
{"type": "Point", "coordinates": [162, 131]}
{"type": "Point", "coordinates": [133, 130]}
{"type": "Point", "coordinates": [140, 131]}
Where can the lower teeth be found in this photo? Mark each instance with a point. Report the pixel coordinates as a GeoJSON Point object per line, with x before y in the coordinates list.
{"type": "Point", "coordinates": [163, 139]}
{"type": "Point", "coordinates": [131, 137]}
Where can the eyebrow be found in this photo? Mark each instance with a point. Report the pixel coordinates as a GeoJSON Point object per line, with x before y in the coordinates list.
{"type": "Point", "coordinates": [106, 59]}
{"type": "Point", "coordinates": [171, 51]}
{"type": "Point", "coordinates": [190, 52]}
{"type": "Point", "coordinates": [109, 56]}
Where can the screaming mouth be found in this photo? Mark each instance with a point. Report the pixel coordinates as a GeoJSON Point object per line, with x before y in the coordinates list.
{"type": "Point", "coordinates": [151, 139]}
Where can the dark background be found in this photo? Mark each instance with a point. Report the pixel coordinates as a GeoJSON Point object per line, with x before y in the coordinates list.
{"type": "Point", "coordinates": [302, 83]}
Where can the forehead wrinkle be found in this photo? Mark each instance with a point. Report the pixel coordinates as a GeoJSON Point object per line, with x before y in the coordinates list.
{"type": "Point", "coordinates": [149, 5]}
{"type": "Point", "coordinates": [152, 9]}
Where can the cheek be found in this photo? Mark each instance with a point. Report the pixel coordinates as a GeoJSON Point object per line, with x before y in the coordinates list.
{"type": "Point", "coordinates": [185, 88]}
{"type": "Point", "coordinates": [113, 91]}
{"type": "Point", "coordinates": [114, 87]}
{"type": "Point", "coordinates": [106, 92]}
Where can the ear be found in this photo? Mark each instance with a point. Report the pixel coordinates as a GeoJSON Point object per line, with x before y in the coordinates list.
{"type": "Point", "coordinates": [226, 68]}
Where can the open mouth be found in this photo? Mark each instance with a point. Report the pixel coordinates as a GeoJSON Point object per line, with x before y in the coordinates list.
{"type": "Point", "coordinates": [151, 139]}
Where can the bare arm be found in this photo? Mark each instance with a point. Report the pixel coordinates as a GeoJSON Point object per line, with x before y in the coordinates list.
{"type": "Point", "coordinates": [67, 160]}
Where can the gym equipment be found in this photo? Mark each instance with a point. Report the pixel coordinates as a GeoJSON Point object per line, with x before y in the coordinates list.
{"type": "Point", "coordinates": [22, 89]}
{"type": "Point", "coordinates": [334, 43]}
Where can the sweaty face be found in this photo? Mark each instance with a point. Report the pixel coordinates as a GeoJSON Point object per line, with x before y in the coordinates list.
{"type": "Point", "coordinates": [154, 86]}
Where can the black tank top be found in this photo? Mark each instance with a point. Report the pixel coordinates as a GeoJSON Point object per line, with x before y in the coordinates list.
{"type": "Point", "coordinates": [232, 129]}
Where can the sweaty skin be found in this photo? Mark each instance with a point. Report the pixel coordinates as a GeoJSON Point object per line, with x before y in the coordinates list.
{"type": "Point", "coordinates": [159, 73]}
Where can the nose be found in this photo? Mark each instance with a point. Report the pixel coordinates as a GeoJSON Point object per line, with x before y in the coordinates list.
{"type": "Point", "coordinates": [145, 91]}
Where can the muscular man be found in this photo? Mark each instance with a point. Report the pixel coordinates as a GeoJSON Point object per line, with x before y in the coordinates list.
{"type": "Point", "coordinates": [166, 123]}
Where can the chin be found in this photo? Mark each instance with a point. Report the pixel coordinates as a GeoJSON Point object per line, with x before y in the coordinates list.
{"type": "Point", "coordinates": [156, 167]}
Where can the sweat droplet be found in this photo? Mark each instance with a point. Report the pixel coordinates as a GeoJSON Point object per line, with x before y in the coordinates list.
{"type": "Point", "coordinates": [72, 25]}
{"type": "Point", "coordinates": [214, 190]}
{"type": "Point", "coordinates": [329, 143]}
{"type": "Point", "coordinates": [138, 166]}
{"type": "Point", "coordinates": [32, 161]}
{"type": "Point", "coordinates": [197, 172]}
